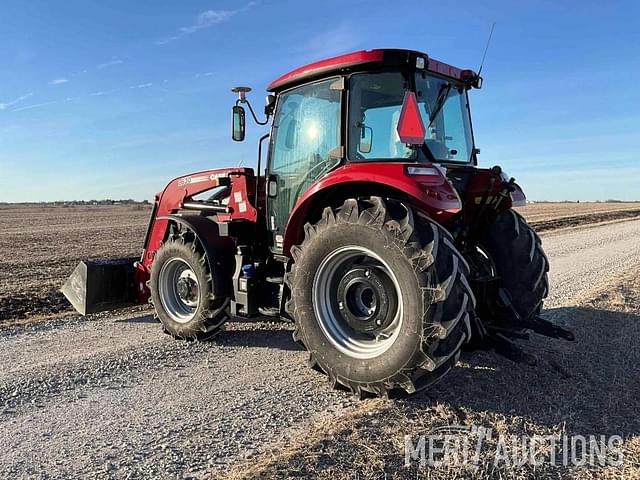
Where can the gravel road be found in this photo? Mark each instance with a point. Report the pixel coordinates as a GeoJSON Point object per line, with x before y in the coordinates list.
{"type": "Point", "coordinates": [585, 258]}
{"type": "Point", "coordinates": [110, 397]}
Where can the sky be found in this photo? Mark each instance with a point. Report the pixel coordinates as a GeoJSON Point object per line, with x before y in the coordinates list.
{"type": "Point", "coordinates": [113, 99]}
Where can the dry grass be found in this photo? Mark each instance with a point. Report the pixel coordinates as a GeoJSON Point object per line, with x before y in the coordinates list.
{"type": "Point", "coordinates": [587, 387]}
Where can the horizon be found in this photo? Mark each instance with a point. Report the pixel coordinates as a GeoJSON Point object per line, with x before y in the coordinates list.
{"type": "Point", "coordinates": [130, 201]}
{"type": "Point", "coordinates": [113, 100]}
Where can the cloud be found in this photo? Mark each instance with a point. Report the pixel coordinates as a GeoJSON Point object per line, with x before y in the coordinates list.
{"type": "Point", "coordinates": [44, 104]}
{"type": "Point", "coordinates": [111, 63]}
{"type": "Point", "coordinates": [207, 19]}
{"type": "Point", "coordinates": [99, 93]}
{"type": "Point", "coordinates": [4, 106]}
{"type": "Point", "coordinates": [58, 81]}
{"type": "Point", "coordinates": [205, 74]}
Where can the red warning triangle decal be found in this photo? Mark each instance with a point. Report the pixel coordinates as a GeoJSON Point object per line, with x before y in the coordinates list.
{"type": "Point", "coordinates": [410, 127]}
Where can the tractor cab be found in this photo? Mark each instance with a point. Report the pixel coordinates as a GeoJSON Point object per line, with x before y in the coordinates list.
{"type": "Point", "coordinates": [368, 107]}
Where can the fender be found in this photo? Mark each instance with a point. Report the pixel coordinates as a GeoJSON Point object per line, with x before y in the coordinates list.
{"type": "Point", "coordinates": [207, 233]}
{"type": "Point", "coordinates": [430, 191]}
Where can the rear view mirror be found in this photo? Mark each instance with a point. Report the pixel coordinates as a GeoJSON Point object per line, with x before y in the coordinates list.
{"type": "Point", "coordinates": [269, 104]}
{"type": "Point", "coordinates": [366, 139]}
{"type": "Point", "coordinates": [237, 123]}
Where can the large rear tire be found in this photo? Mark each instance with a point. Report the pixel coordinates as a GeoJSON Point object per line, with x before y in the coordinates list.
{"type": "Point", "coordinates": [181, 290]}
{"type": "Point", "coordinates": [515, 252]}
{"type": "Point", "coordinates": [380, 297]}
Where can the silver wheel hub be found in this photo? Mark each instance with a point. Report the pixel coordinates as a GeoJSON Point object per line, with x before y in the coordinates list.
{"type": "Point", "coordinates": [179, 290]}
{"type": "Point", "coordinates": [357, 301]}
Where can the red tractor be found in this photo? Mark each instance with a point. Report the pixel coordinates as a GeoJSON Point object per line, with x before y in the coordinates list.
{"type": "Point", "coordinates": [372, 229]}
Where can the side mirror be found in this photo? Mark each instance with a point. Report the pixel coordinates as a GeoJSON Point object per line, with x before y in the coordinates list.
{"type": "Point", "coordinates": [366, 139]}
{"type": "Point", "coordinates": [237, 123]}
{"type": "Point", "coordinates": [269, 104]}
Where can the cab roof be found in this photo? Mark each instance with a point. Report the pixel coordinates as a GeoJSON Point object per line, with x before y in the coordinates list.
{"type": "Point", "coordinates": [359, 59]}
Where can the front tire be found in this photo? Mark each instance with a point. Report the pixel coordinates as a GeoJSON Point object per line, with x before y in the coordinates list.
{"type": "Point", "coordinates": [181, 290]}
{"type": "Point", "coordinates": [379, 297]}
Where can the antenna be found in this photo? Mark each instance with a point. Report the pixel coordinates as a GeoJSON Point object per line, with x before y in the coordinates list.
{"type": "Point", "coordinates": [242, 93]}
{"type": "Point", "coordinates": [486, 48]}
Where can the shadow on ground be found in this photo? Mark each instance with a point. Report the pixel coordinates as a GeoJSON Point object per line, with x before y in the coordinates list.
{"type": "Point", "coordinates": [240, 332]}
{"type": "Point", "coordinates": [592, 384]}
{"type": "Point", "coordinates": [140, 319]}
{"type": "Point", "coordinates": [258, 337]}
{"type": "Point", "coordinates": [586, 387]}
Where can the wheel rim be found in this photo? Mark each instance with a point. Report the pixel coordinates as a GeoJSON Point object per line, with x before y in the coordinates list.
{"type": "Point", "coordinates": [358, 302]}
{"type": "Point", "coordinates": [179, 290]}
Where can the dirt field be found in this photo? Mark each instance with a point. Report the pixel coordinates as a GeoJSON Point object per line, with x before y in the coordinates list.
{"type": "Point", "coordinates": [551, 216]}
{"type": "Point", "coordinates": [41, 244]}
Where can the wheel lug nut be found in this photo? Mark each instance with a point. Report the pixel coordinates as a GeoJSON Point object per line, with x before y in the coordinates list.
{"type": "Point", "coordinates": [341, 305]}
{"type": "Point", "coordinates": [378, 322]}
{"type": "Point", "coordinates": [367, 273]}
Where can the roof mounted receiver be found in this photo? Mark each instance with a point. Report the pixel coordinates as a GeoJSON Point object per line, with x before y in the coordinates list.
{"type": "Point", "coordinates": [242, 93]}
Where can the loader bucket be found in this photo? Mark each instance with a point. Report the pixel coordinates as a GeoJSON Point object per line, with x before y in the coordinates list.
{"type": "Point", "coordinates": [99, 285]}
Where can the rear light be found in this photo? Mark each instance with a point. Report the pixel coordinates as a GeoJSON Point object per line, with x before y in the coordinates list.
{"type": "Point", "coordinates": [433, 179]}
{"type": "Point", "coordinates": [423, 171]}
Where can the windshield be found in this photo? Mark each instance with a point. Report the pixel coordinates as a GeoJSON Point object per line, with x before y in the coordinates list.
{"type": "Point", "coordinates": [375, 101]}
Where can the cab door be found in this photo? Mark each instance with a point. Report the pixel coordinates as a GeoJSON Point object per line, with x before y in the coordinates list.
{"type": "Point", "coordinates": [305, 137]}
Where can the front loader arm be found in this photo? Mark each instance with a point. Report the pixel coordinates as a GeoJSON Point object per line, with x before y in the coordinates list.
{"type": "Point", "coordinates": [233, 203]}
{"type": "Point", "coordinates": [179, 192]}
{"type": "Point", "coordinates": [106, 284]}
